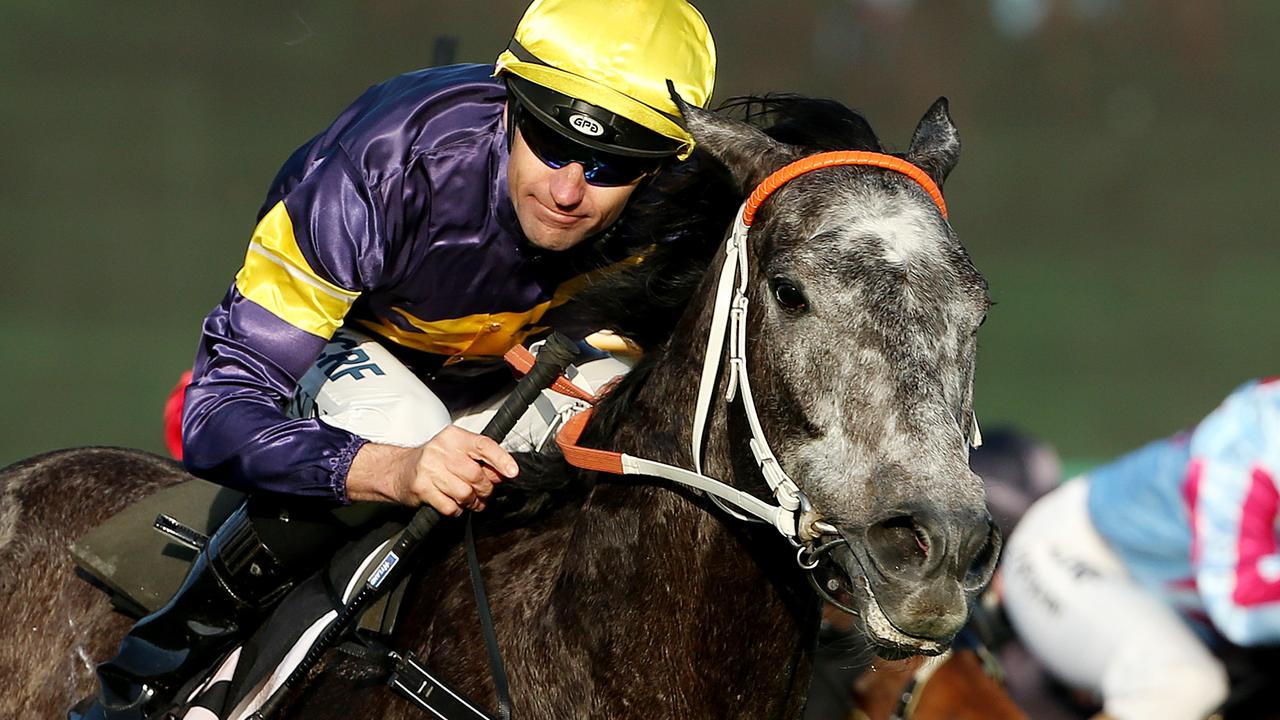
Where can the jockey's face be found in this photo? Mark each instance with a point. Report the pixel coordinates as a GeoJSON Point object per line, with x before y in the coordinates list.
{"type": "Point", "coordinates": [557, 208]}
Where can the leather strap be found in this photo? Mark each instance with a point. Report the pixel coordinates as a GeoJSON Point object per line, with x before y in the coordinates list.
{"type": "Point", "coordinates": [522, 360]}
{"type": "Point", "coordinates": [500, 682]}
{"type": "Point", "coordinates": [841, 157]}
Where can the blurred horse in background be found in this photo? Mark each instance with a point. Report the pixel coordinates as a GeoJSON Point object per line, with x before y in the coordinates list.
{"type": "Point", "coordinates": [952, 686]}
{"type": "Point", "coordinates": [964, 683]}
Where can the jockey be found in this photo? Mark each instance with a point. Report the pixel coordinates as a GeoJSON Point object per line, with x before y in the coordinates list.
{"type": "Point", "coordinates": [444, 217]}
{"type": "Point", "coordinates": [1129, 581]}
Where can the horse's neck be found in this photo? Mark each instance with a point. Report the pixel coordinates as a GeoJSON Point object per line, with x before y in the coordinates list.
{"type": "Point", "coordinates": [669, 583]}
{"type": "Point", "coordinates": [704, 583]}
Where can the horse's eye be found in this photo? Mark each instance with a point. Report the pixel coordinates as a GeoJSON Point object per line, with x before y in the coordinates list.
{"type": "Point", "coordinates": [789, 296]}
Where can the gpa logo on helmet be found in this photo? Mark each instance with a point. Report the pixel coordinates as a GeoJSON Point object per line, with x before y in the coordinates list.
{"type": "Point", "coordinates": [586, 125]}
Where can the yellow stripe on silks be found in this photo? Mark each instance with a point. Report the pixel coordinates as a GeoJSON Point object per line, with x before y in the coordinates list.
{"type": "Point", "coordinates": [483, 335]}
{"type": "Point", "coordinates": [277, 277]}
{"type": "Point", "coordinates": [441, 337]}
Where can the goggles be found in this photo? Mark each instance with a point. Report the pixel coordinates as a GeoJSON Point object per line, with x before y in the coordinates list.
{"type": "Point", "coordinates": [603, 169]}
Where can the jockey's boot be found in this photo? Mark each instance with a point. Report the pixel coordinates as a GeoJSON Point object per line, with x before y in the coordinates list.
{"type": "Point", "coordinates": [232, 585]}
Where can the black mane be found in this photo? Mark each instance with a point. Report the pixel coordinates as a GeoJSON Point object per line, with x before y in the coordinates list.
{"type": "Point", "coordinates": [818, 124]}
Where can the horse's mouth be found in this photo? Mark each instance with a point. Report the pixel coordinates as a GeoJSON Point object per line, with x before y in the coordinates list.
{"type": "Point", "coordinates": [853, 591]}
{"type": "Point", "coordinates": [886, 636]}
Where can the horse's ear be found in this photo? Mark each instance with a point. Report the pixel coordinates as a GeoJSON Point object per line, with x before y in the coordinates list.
{"type": "Point", "coordinates": [744, 150]}
{"type": "Point", "coordinates": [935, 147]}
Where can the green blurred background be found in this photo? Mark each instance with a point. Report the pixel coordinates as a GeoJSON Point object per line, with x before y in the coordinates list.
{"type": "Point", "coordinates": [1117, 182]}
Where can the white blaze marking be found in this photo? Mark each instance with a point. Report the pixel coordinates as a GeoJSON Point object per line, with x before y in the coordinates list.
{"type": "Point", "coordinates": [905, 233]}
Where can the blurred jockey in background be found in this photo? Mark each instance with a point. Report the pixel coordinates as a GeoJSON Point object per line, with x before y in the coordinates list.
{"type": "Point", "coordinates": [1130, 581]}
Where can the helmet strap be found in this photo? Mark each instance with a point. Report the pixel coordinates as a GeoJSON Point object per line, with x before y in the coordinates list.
{"type": "Point", "coordinates": [513, 116]}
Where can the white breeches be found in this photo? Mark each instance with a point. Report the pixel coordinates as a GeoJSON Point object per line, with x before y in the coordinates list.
{"type": "Point", "coordinates": [360, 387]}
{"type": "Point", "coordinates": [1075, 606]}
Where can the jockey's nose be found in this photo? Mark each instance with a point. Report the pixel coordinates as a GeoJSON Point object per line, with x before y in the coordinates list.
{"type": "Point", "coordinates": [568, 185]}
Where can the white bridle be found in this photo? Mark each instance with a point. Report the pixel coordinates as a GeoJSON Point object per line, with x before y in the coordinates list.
{"type": "Point", "coordinates": [730, 317]}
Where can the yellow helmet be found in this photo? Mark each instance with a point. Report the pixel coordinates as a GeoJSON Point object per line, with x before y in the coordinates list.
{"type": "Point", "coordinates": [617, 55]}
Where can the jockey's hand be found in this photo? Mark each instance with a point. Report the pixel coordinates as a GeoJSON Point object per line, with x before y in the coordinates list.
{"type": "Point", "coordinates": [457, 469]}
{"type": "Point", "coordinates": [453, 471]}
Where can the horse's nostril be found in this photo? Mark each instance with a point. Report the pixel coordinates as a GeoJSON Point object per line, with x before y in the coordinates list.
{"type": "Point", "coordinates": [898, 544]}
{"type": "Point", "coordinates": [984, 561]}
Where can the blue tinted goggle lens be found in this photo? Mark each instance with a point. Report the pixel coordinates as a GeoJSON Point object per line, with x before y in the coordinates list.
{"type": "Point", "coordinates": [600, 168]}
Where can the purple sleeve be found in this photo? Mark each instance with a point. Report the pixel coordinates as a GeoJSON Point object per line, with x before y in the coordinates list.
{"type": "Point", "coordinates": [268, 331]}
{"type": "Point", "coordinates": [234, 428]}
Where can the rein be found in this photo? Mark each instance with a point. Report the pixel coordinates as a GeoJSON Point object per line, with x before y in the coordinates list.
{"type": "Point", "coordinates": [793, 516]}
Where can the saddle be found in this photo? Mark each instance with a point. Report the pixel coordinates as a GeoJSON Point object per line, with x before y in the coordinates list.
{"type": "Point", "coordinates": [140, 568]}
{"type": "Point", "coordinates": [140, 556]}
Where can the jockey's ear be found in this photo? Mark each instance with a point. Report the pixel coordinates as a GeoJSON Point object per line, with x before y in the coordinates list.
{"type": "Point", "coordinates": [748, 153]}
{"type": "Point", "coordinates": [935, 146]}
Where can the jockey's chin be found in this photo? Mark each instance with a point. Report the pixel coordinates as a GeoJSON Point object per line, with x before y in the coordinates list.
{"type": "Point", "coordinates": [558, 208]}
